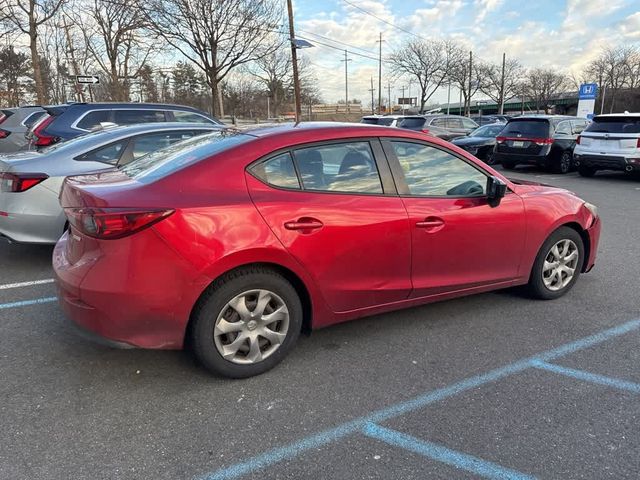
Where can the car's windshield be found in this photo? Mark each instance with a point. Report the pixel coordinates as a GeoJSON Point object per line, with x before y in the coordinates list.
{"type": "Point", "coordinates": [487, 131]}
{"type": "Point", "coordinates": [163, 162]}
{"type": "Point", "coordinates": [619, 124]}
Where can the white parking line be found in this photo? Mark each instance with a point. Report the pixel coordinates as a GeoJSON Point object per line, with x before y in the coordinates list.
{"type": "Point", "coordinates": [26, 284]}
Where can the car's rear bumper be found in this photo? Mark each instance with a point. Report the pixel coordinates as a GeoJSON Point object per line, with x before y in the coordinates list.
{"type": "Point", "coordinates": [521, 159]}
{"type": "Point", "coordinates": [113, 297]}
{"type": "Point", "coordinates": [607, 162]}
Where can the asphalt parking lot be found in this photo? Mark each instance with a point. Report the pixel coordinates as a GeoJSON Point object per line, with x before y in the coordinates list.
{"type": "Point", "coordinates": [490, 386]}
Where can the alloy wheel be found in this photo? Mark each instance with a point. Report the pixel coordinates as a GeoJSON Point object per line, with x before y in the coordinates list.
{"type": "Point", "coordinates": [565, 162]}
{"type": "Point", "coordinates": [560, 265]}
{"type": "Point", "coordinates": [251, 327]}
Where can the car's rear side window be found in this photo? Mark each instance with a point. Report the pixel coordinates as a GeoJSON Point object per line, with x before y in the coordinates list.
{"type": "Point", "coordinates": [277, 171]}
{"type": "Point", "coordinates": [190, 117]}
{"type": "Point", "coordinates": [129, 117]}
{"type": "Point", "coordinates": [164, 162]}
{"type": "Point", "coordinates": [93, 119]}
{"type": "Point", "coordinates": [619, 124]}
{"type": "Point", "coordinates": [527, 129]}
{"type": "Point", "coordinates": [33, 118]}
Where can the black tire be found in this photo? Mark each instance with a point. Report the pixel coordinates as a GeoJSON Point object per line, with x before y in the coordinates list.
{"type": "Point", "coordinates": [564, 163]}
{"type": "Point", "coordinates": [489, 158]}
{"type": "Point", "coordinates": [586, 171]}
{"type": "Point", "coordinates": [508, 165]}
{"type": "Point", "coordinates": [536, 286]}
{"type": "Point", "coordinates": [217, 296]}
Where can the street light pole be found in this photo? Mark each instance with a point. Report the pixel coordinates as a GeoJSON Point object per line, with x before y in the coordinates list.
{"type": "Point", "coordinates": [380, 76]}
{"type": "Point", "coordinates": [294, 61]}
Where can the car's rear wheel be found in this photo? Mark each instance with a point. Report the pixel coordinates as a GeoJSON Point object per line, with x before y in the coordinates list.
{"type": "Point", "coordinates": [564, 163]}
{"type": "Point", "coordinates": [586, 171]}
{"type": "Point", "coordinates": [557, 265]}
{"type": "Point", "coordinates": [246, 322]}
{"type": "Point", "coordinates": [489, 158]}
{"type": "Point", "coordinates": [508, 165]}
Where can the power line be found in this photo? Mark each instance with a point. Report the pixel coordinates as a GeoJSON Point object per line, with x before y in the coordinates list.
{"type": "Point", "coordinates": [383, 20]}
{"type": "Point", "coordinates": [338, 48]}
{"type": "Point", "coordinates": [338, 41]}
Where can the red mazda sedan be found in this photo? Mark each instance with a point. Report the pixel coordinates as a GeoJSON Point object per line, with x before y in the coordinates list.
{"type": "Point", "coordinates": [238, 241]}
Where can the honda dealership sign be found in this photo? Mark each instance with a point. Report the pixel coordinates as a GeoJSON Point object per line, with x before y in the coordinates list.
{"type": "Point", "coordinates": [587, 100]}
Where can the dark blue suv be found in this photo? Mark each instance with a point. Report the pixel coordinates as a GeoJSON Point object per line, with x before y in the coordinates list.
{"type": "Point", "coordinates": [67, 121]}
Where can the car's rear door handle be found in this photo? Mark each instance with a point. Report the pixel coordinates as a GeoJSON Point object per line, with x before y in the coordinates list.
{"type": "Point", "coordinates": [304, 224]}
{"type": "Point", "coordinates": [431, 223]}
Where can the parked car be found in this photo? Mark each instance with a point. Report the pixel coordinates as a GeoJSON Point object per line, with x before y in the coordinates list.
{"type": "Point", "coordinates": [610, 142]}
{"type": "Point", "coordinates": [543, 140]}
{"type": "Point", "coordinates": [30, 181]}
{"type": "Point", "coordinates": [481, 141]}
{"type": "Point", "coordinates": [446, 127]}
{"type": "Point", "coordinates": [384, 120]}
{"type": "Point", "coordinates": [64, 122]}
{"type": "Point", "coordinates": [14, 123]}
{"type": "Point", "coordinates": [489, 119]}
{"type": "Point", "coordinates": [239, 241]}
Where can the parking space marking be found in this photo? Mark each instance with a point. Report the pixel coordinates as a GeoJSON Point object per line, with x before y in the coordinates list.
{"type": "Point", "coordinates": [443, 454]}
{"type": "Point", "coordinates": [588, 376]}
{"type": "Point", "coordinates": [26, 303]}
{"type": "Point", "coordinates": [292, 450]}
{"type": "Point", "coordinates": [26, 284]}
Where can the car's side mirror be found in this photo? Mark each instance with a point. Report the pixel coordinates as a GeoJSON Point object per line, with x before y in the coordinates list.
{"type": "Point", "coordinates": [496, 190]}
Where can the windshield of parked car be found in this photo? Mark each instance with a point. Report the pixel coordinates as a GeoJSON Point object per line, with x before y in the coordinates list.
{"type": "Point", "coordinates": [161, 163]}
{"type": "Point", "coordinates": [487, 131]}
{"type": "Point", "coordinates": [619, 124]}
{"type": "Point", "coordinates": [527, 129]}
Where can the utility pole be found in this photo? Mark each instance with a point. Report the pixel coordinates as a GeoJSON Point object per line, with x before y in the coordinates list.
{"type": "Point", "coordinates": [403, 89]}
{"type": "Point", "coordinates": [389, 94]}
{"type": "Point", "coordinates": [468, 112]}
{"type": "Point", "coordinates": [380, 76]}
{"type": "Point", "coordinates": [501, 106]}
{"type": "Point", "coordinates": [448, 97]}
{"type": "Point", "coordinates": [373, 105]}
{"type": "Point", "coordinates": [294, 61]}
{"type": "Point", "coordinates": [346, 80]}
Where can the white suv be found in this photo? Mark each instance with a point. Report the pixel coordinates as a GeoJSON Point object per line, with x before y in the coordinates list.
{"type": "Point", "coordinates": [610, 142]}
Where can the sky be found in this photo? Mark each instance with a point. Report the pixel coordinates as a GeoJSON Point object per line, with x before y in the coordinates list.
{"type": "Point", "coordinates": [560, 34]}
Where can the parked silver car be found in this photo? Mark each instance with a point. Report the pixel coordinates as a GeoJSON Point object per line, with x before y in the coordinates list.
{"type": "Point", "coordinates": [14, 123]}
{"type": "Point", "coordinates": [30, 181]}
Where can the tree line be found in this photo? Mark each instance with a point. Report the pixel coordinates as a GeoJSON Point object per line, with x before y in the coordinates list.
{"type": "Point", "coordinates": [433, 64]}
{"type": "Point", "coordinates": [232, 52]}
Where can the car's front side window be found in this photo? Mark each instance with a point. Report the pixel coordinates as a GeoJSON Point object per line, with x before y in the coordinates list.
{"type": "Point", "coordinates": [432, 172]}
{"type": "Point", "coordinates": [344, 167]}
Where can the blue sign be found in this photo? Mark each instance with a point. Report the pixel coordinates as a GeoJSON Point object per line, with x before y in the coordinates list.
{"type": "Point", "coordinates": [588, 91]}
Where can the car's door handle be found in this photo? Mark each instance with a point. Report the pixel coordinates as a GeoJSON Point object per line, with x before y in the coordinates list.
{"type": "Point", "coordinates": [303, 224]}
{"type": "Point", "coordinates": [431, 223]}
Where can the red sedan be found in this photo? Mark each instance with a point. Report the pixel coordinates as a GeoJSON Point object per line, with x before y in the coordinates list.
{"type": "Point", "coordinates": [240, 241]}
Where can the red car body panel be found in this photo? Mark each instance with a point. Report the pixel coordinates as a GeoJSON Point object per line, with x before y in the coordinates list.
{"type": "Point", "coordinates": [367, 257]}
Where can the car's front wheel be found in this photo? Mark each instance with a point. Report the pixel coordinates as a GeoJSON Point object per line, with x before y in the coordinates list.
{"type": "Point", "coordinates": [246, 322]}
{"type": "Point", "coordinates": [557, 265]}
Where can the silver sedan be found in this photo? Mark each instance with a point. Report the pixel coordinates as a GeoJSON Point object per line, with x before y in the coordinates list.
{"type": "Point", "coordinates": [30, 181]}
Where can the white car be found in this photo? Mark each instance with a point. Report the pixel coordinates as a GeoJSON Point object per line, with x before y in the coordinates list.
{"type": "Point", "coordinates": [610, 142]}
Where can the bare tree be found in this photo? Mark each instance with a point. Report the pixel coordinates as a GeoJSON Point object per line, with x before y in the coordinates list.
{"type": "Point", "coordinates": [458, 75]}
{"type": "Point", "coordinates": [28, 16]}
{"type": "Point", "coordinates": [501, 88]}
{"type": "Point", "coordinates": [543, 85]}
{"type": "Point", "coordinates": [423, 61]}
{"type": "Point", "coordinates": [13, 67]}
{"type": "Point", "coordinates": [274, 72]}
{"type": "Point", "coordinates": [216, 35]}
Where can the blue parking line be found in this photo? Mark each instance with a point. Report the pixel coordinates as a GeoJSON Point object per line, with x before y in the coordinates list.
{"type": "Point", "coordinates": [278, 454]}
{"type": "Point", "coordinates": [25, 303]}
{"type": "Point", "coordinates": [443, 454]}
{"type": "Point", "coordinates": [588, 376]}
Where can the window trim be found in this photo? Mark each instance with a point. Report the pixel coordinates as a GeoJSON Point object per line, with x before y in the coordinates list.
{"type": "Point", "coordinates": [127, 142]}
{"type": "Point", "coordinates": [399, 176]}
{"type": "Point", "coordinates": [172, 114]}
{"type": "Point", "coordinates": [111, 111]}
{"type": "Point", "coordinates": [24, 120]}
{"type": "Point", "coordinates": [389, 188]}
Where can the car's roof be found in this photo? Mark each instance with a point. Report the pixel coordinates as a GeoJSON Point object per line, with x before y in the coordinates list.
{"type": "Point", "coordinates": [158, 126]}
{"type": "Point", "coordinates": [288, 128]}
{"type": "Point", "coordinates": [539, 117]}
{"type": "Point", "coordinates": [625, 114]}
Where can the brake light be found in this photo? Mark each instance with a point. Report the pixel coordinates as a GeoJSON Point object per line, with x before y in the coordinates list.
{"type": "Point", "coordinates": [425, 130]}
{"type": "Point", "coordinates": [20, 182]}
{"type": "Point", "coordinates": [113, 223]}
{"type": "Point", "coordinates": [542, 141]}
{"type": "Point", "coordinates": [501, 139]}
{"type": "Point", "coordinates": [3, 117]}
{"type": "Point", "coordinates": [4, 133]}
{"type": "Point", "coordinates": [578, 140]}
{"type": "Point", "coordinates": [638, 143]}
{"type": "Point", "coordinates": [42, 139]}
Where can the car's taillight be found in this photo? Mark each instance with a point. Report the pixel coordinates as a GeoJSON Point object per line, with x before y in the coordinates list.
{"type": "Point", "coordinates": [638, 143]}
{"type": "Point", "coordinates": [4, 133]}
{"type": "Point", "coordinates": [578, 140]}
{"type": "Point", "coordinates": [3, 117]}
{"type": "Point", "coordinates": [542, 141]}
{"type": "Point", "coordinates": [425, 130]}
{"type": "Point", "coordinates": [113, 223]}
{"type": "Point", "coordinates": [20, 182]}
{"type": "Point", "coordinates": [42, 139]}
{"type": "Point", "coordinates": [501, 139]}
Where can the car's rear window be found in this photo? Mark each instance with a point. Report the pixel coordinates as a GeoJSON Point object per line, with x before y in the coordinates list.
{"type": "Point", "coordinates": [412, 122]}
{"type": "Point", "coordinates": [385, 121]}
{"type": "Point", "coordinates": [162, 163]}
{"type": "Point", "coordinates": [369, 121]}
{"type": "Point", "coordinates": [527, 128]}
{"type": "Point", "coordinates": [614, 125]}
